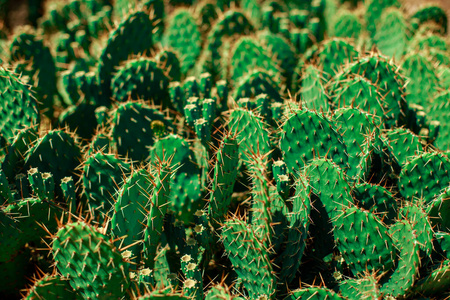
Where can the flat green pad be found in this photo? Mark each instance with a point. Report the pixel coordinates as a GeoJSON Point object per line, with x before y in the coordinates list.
{"type": "Point", "coordinates": [424, 177]}
{"type": "Point", "coordinates": [307, 135]}
{"type": "Point", "coordinates": [95, 268]}
{"type": "Point", "coordinates": [363, 241]}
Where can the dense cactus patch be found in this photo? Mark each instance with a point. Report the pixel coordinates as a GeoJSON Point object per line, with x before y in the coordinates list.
{"type": "Point", "coordinates": [232, 149]}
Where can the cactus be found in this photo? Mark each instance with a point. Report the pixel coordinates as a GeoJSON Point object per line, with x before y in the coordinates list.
{"type": "Point", "coordinates": [423, 80]}
{"type": "Point", "coordinates": [347, 25]}
{"type": "Point", "coordinates": [197, 150]}
{"type": "Point", "coordinates": [392, 34]}
{"type": "Point", "coordinates": [34, 61]}
{"type": "Point", "coordinates": [403, 145]}
{"type": "Point", "coordinates": [374, 10]}
{"type": "Point", "coordinates": [132, 36]}
{"type": "Point", "coordinates": [438, 112]}
{"type": "Point", "coordinates": [313, 293]}
{"type": "Point", "coordinates": [377, 200]}
{"type": "Point", "coordinates": [19, 107]}
{"type": "Point", "coordinates": [130, 80]}
{"type": "Point", "coordinates": [424, 177]}
{"type": "Point", "coordinates": [225, 173]}
{"type": "Point", "coordinates": [144, 123]}
{"type": "Point", "coordinates": [102, 176]}
{"type": "Point", "coordinates": [312, 91]}
{"type": "Point", "coordinates": [50, 287]}
{"type": "Point", "coordinates": [56, 152]}
{"type": "Point", "coordinates": [333, 54]}
{"type": "Point", "coordinates": [363, 241]}
{"type": "Point", "coordinates": [182, 24]}
{"type": "Point", "coordinates": [430, 13]}
{"type": "Point", "coordinates": [407, 269]}
{"type": "Point", "coordinates": [77, 244]}
{"type": "Point", "coordinates": [250, 259]}
{"type": "Point", "coordinates": [300, 141]}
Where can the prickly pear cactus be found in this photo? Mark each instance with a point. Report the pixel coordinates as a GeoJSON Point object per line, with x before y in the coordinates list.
{"type": "Point", "coordinates": [251, 149]}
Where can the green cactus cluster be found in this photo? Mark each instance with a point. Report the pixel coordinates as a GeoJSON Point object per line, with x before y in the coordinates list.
{"type": "Point", "coordinates": [232, 149]}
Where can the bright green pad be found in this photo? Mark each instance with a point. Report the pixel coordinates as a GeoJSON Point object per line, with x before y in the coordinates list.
{"type": "Point", "coordinates": [256, 83]}
{"type": "Point", "coordinates": [132, 36]}
{"type": "Point", "coordinates": [402, 144]}
{"type": "Point", "coordinates": [392, 35]}
{"type": "Point", "coordinates": [347, 25]}
{"type": "Point", "coordinates": [102, 177]}
{"type": "Point", "coordinates": [18, 108]}
{"type": "Point", "coordinates": [298, 226]}
{"type": "Point", "coordinates": [225, 173]}
{"type": "Point", "coordinates": [250, 260]}
{"type": "Point", "coordinates": [261, 218]}
{"type": "Point", "coordinates": [135, 129]}
{"type": "Point", "coordinates": [407, 270]}
{"type": "Point", "coordinates": [141, 79]}
{"type": "Point", "coordinates": [438, 211]}
{"type": "Point", "coordinates": [95, 268]}
{"type": "Point", "coordinates": [378, 200]}
{"type": "Point", "coordinates": [386, 77]}
{"type": "Point", "coordinates": [51, 288]}
{"type": "Point", "coordinates": [363, 241]}
{"type": "Point", "coordinates": [312, 91]}
{"type": "Point", "coordinates": [330, 193]}
{"type": "Point", "coordinates": [183, 202]}
{"type": "Point", "coordinates": [359, 92]}
{"type": "Point", "coordinates": [359, 131]}
{"type": "Point", "coordinates": [418, 219]}
{"type": "Point", "coordinates": [130, 211]}
{"type": "Point", "coordinates": [182, 34]}
{"type": "Point", "coordinates": [363, 288]}
{"type": "Point", "coordinates": [374, 11]}
{"type": "Point", "coordinates": [157, 208]}
{"type": "Point", "coordinates": [424, 177]}
{"type": "Point", "coordinates": [313, 293]}
{"type": "Point", "coordinates": [252, 135]}
{"type": "Point", "coordinates": [57, 152]}
{"type": "Point", "coordinates": [247, 55]}
{"type": "Point", "coordinates": [439, 111]}
{"type": "Point", "coordinates": [333, 54]}
{"type": "Point", "coordinates": [307, 135]}
{"type": "Point", "coordinates": [329, 184]}
{"type": "Point", "coordinates": [279, 212]}
{"type": "Point", "coordinates": [423, 80]}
